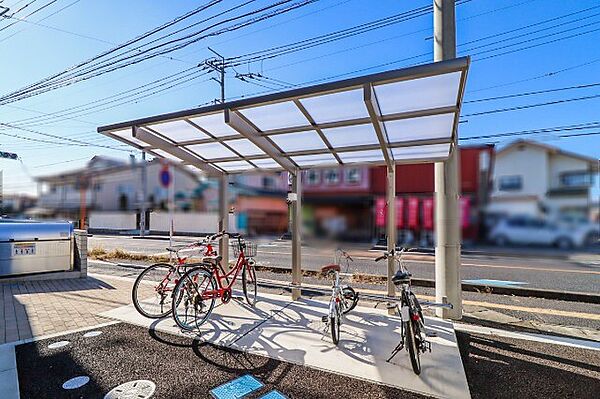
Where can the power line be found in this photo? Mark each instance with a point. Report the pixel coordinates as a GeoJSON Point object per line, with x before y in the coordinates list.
{"type": "Point", "coordinates": [531, 93]}
{"type": "Point", "coordinates": [528, 106]}
{"type": "Point", "coordinates": [71, 76]}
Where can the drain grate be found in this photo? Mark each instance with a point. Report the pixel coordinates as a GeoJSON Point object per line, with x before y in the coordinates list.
{"type": "Point", "coordinates": [76, 382]}
{"type": "Point", "coordinates": [92, 334]}
{"type": "Point", "coordinates": [139, 389]}
{"type": "Point", "coordinates": [59, 344]}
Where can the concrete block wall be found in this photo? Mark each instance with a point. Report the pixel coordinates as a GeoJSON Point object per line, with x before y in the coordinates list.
{"type": "Point", "coordinates": [80, 263]}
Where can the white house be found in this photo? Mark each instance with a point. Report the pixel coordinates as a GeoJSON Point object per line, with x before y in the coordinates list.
{"type": "Point", "coordinates": [535, 179]}
{"type": "Point", "coordinates": [110, 185]}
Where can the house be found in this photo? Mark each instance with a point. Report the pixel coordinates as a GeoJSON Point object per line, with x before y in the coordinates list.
{"type": "Point", "coordinates": [532, 178]}
{"type": "Point", "coordinates": [106, 184]}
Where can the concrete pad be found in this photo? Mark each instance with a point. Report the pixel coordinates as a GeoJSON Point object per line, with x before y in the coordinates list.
{"type": "Point", "coordinates": [225, 325]}
{"type": "Point", "coordinates": [7, 358]}
{"type": "Point", "coordinates": [296, 334]}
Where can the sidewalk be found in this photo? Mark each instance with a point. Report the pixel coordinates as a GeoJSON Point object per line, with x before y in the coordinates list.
{"type": "Point", "coordinates": [37, 308]}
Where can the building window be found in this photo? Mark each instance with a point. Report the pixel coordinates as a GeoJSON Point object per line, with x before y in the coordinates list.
{"type": "Point", "coordinates": [353, 176]}
{"type": "Point", "coordinates": [268, 182]}
{"type": "Point", "coordinates": [331, 176]}
{"type": "Point", "coordinates": [313, 177]}
{"type": "Point", "coordinates": [576, 179]}
{"type": "Point", "coordinates": [510, 183]}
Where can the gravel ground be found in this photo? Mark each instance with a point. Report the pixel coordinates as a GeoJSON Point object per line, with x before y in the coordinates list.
{"type": "Point", "coordinates": [510, 368]}
{"type": "Point", "coordinates": [180, 368]}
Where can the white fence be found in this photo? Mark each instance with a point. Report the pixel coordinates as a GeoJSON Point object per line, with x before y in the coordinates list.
{"type": "Point", "coordinates": [196, 222]}
{"type": "Point", "coordinates": [112, 220]}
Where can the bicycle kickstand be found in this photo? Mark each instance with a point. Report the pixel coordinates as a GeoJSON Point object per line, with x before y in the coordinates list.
{"type": "Point", "coordinates": [397, 349]}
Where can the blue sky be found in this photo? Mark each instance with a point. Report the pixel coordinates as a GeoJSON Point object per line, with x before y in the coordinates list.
{"type": "Point", "coordinates": [31, 52]}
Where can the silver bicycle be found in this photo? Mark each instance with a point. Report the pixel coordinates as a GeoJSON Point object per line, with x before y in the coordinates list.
{"type": "Point", "coordinates": [343, 297]}
{"type": "Point", "coordinates": [413, 335]}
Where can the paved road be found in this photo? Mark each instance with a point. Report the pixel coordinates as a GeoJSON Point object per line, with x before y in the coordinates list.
{"type": "Point", "coordinates": [556, 274]}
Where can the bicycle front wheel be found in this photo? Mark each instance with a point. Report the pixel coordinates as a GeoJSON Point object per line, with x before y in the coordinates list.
{"type": "Point", "coordinates": [350, 298]}
{"type": "Point", "coordinates": [249, 284]}
{"type": "Point", "coordinates": [334, 324]}
{"type": "Point", "coordinates": [193, 298]}
{"type": "Point", "coordinates": [413, 346]}
{"type": "Point", "coordinates": [152, 290]}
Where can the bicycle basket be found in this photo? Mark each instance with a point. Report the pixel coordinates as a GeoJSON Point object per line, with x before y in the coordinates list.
{"type": "Point", "coordinates": [248, 247]}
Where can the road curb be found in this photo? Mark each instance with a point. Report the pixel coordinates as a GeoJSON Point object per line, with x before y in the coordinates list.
{"type": "Point", "coordinates": [569, 296]}
{"type": "Point", "coordinates": [431, 251]}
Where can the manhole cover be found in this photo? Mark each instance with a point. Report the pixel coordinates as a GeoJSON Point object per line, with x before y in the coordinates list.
{"type": "Point", "coordinates": [92, 334]}
{"type": "Point", "coordinates": [76, 382]}
{"type": "Point", "coordinates": [139, 389]}
{"type": "Point", "coordinates": [59, 344]}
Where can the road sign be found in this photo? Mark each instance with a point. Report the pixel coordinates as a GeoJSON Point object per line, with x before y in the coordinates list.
{"type": "Point", "coordinates": [165, 177]}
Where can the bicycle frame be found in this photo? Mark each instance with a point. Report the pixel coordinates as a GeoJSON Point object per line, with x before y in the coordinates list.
{"type": "Point", "coordinates": [221, 291]}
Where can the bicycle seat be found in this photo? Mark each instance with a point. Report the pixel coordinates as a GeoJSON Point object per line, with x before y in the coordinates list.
{"type": "Point", "coordinates": [401, 277]}
{"type": "Point", "coordinates": [329, 268]}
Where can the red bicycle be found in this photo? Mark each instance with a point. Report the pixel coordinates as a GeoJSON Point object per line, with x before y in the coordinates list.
{"type": "Point", "coordinates": [153, 287]}
{"type": "Point", "coordinates": [194, 295]}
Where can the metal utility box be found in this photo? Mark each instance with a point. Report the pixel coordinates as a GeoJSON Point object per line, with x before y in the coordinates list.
{"type": "Point", "coordinates": [35, 247]}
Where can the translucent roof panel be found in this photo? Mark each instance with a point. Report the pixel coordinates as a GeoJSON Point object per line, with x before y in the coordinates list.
{"type": "Point", "coordinates": [417, 94]}
{"type": "Point", "coordinates": [164, 154]}
{"type": "Point", "coordinates": [245, 147]}
{"type": "Point", "coordinates": [178, 131]}
{"type": "Point", "coordinates": [211, 150]}
{"type": "Point", "coordinates": [215, 125]}
{"type": "Point", "coordinates": [315, 160]}
{"type": "Point", "coordinates": [361, 156]}
{"type": "Point", "coordinates": [321, 125]}
{"type": "Point", "coordinates": [127, 134]}
{"type": "Point", "coordinates": [233, 166]}
{"type": "Point", "coordinates": [342, 106]}
{"type": "Point", "coordinates": [266, 163]}
{"type": "Point", "coordinates": [421, 152]}
{"type": "Point", "coordinates": [425, 127]}
{"type": "Point", "coordinates": [350, 136]}
{"type": "Point", "coordinates": [299, 141]}
{"type": "Point", "coordinates": [275, 116]}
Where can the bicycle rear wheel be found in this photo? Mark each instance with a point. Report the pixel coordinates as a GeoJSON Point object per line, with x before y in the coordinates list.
{"type": "Point", "coordinates": [152, 289]}
{"type": "Point", "coordinates": [413, 346]}
{"type": "Point", "coordinates": [190, 304]}
{"type": "Point", "coordinates": [249, 284]}
{"type": "Point", "coordinates": [350, 298]}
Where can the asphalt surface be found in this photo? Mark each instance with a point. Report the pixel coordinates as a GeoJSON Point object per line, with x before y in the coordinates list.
{"type": "Point", "coordinates": [510, 368]}
{"type": "Point", "coordinates": [579, 274]}
{"type": "Point", "coordinates": [180, 368]}
{"type": "Point", "coordinates": [184, 368]}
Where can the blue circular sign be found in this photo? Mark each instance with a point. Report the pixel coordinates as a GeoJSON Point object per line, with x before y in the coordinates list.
{"type": "Point", "coordinates": [165, 177]}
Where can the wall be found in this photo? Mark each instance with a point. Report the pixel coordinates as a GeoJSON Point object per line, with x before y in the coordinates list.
{"type": "Point", "coordinates": [529, 162]}
{"type": "Point", "coordinates": [560, 163]}
{"type": "Point", "coordinates": [200, 222]}
{"type": "Point", "coordinates": [112, 220]}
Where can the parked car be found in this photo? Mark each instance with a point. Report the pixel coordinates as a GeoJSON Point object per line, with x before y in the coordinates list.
{"type": "Point", "coordinates": [583, 225]}
{"type": "Point", "coordinates": [526, 230]}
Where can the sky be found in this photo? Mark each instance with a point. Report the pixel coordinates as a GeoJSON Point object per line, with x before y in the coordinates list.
{"type": "Point", "coordinates": [54, 39]}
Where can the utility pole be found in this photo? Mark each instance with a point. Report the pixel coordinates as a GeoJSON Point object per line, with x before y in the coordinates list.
{"type": "Point", "coordinates": [447, 189]}
{"type": "Point", "coordinates": [143, 205]}
{"type": "Point", "coordinates": [219, 66]}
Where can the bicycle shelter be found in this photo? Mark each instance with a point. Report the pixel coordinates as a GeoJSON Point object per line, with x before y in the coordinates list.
{"type": "Point", "coordinates": [406, 115]}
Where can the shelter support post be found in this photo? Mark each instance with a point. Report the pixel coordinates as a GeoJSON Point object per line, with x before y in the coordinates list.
{"type": "Point", "coordinates": [296, 208]}
{"type": "Point", "coordinates": [391, 227]}
{"type": "Point", "coordinates": [447, 226]}
{"type": "Point", "coordinates": [224, 218]}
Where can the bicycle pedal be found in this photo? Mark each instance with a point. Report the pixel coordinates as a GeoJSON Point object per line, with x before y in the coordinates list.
{"type": "Point", "coordinates": [430, 334]}
{"type": "Point", "coordinates": [427, 346]}
{"type": "Point", "coordinates": [324, 319]}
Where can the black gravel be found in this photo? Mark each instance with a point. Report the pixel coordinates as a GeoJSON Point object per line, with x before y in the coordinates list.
{"type": "Point", "coordinates": [180, 368]}
{"type": "Point", "coordinates": [511, 368]}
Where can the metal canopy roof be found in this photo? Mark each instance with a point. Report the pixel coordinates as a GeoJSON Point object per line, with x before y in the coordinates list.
{"type": "Point", "coordinates": [399, 116]}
